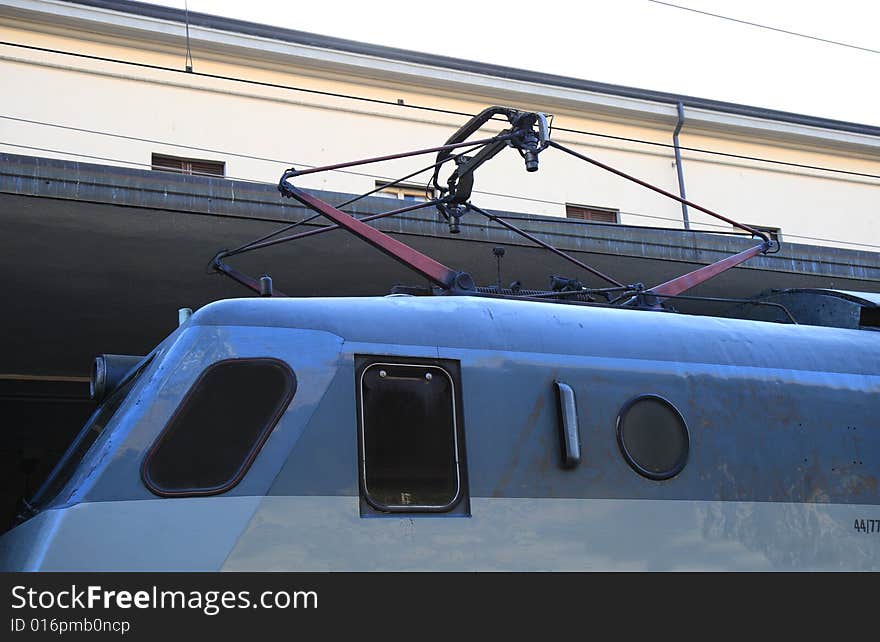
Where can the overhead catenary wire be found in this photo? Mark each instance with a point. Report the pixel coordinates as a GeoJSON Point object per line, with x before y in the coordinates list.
{"type": "Point", "coordinates": [438, 110]}
{"type": "Point", "coordinates": [224, 152]}
{"type": "Point", "coordinates": [195, 148]}
{"type": "Point", "coordinates": [763, 26]}
{"type": "Point", "coordinates": [511, 196]}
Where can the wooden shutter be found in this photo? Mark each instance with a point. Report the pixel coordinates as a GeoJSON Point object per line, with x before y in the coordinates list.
{"type": "Point", "coordinates": [587, 213]}
{"type": "Point", "coordinates": [188, 165]}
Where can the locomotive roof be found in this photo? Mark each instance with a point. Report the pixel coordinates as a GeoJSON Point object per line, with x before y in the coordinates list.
{"type": "Point", "coordinates": [480, 323]}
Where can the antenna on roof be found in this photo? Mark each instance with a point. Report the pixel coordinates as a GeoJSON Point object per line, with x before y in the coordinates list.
{"type": "Point", "coordinates": [189, 58]}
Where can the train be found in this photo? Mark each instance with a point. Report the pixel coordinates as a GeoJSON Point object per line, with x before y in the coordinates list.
{"type": "Point", "coordinates": [458, 427]}
{"type": "Point", "coordinates": [470, 433]}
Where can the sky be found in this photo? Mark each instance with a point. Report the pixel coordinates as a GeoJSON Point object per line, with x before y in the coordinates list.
{"type": "Point", "coordinates": [637, 43]}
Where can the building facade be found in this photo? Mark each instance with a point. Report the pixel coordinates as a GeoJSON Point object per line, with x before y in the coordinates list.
{"type": "Point", "coordinates": [107, 82]}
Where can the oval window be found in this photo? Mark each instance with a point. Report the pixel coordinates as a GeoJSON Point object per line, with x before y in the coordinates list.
{"type": "Point", "coordinates": [653, 437]}
{"type": "Point", "coordinates": [215, 434]}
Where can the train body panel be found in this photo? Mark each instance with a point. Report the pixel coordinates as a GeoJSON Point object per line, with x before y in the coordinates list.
{"type": "Point", "coordinates": [326, 533]}
{"type": "Point", "coordinates": [780, 470]}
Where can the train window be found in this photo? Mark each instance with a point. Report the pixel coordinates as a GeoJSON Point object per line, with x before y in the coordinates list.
{"type": "Point", "coordinates": [869, 317]}
{"type": "Point", "coordinates": [410, 438]}
{"type": "Point", "coordinates": [653, 437]}
{"type": "Point", "coordinates": [219, 427]}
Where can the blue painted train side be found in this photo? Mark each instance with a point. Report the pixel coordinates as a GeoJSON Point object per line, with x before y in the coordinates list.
{"type": "Point", "coordinates": [781, 471]}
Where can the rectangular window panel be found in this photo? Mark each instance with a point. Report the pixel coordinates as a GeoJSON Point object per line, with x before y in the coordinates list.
{"type": "Point", "coordinates": [403, 191]}
{"type": "Point", "coordinates": [590, 213]}
{"type": "Point", "coordinates": [188, 165]}
{"type": "Point", "coordinates": [410, 437]}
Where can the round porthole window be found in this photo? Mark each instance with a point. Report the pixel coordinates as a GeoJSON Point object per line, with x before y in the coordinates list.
{"type": "Point", "coordinates": [653, 437]}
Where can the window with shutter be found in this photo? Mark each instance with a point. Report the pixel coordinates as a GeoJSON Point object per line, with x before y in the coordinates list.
{"type": "Point", "coordinates": [773, 232]}
{"type": "Point", "coordinates": [403, 191]}
{"type": "Point", "coordinates": [590, 213]}
{"type": "Point", "coordinates": [188, 165]}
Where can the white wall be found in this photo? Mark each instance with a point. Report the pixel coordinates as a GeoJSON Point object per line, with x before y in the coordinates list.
{"type": "Point", "coordinates": [226, 118]}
